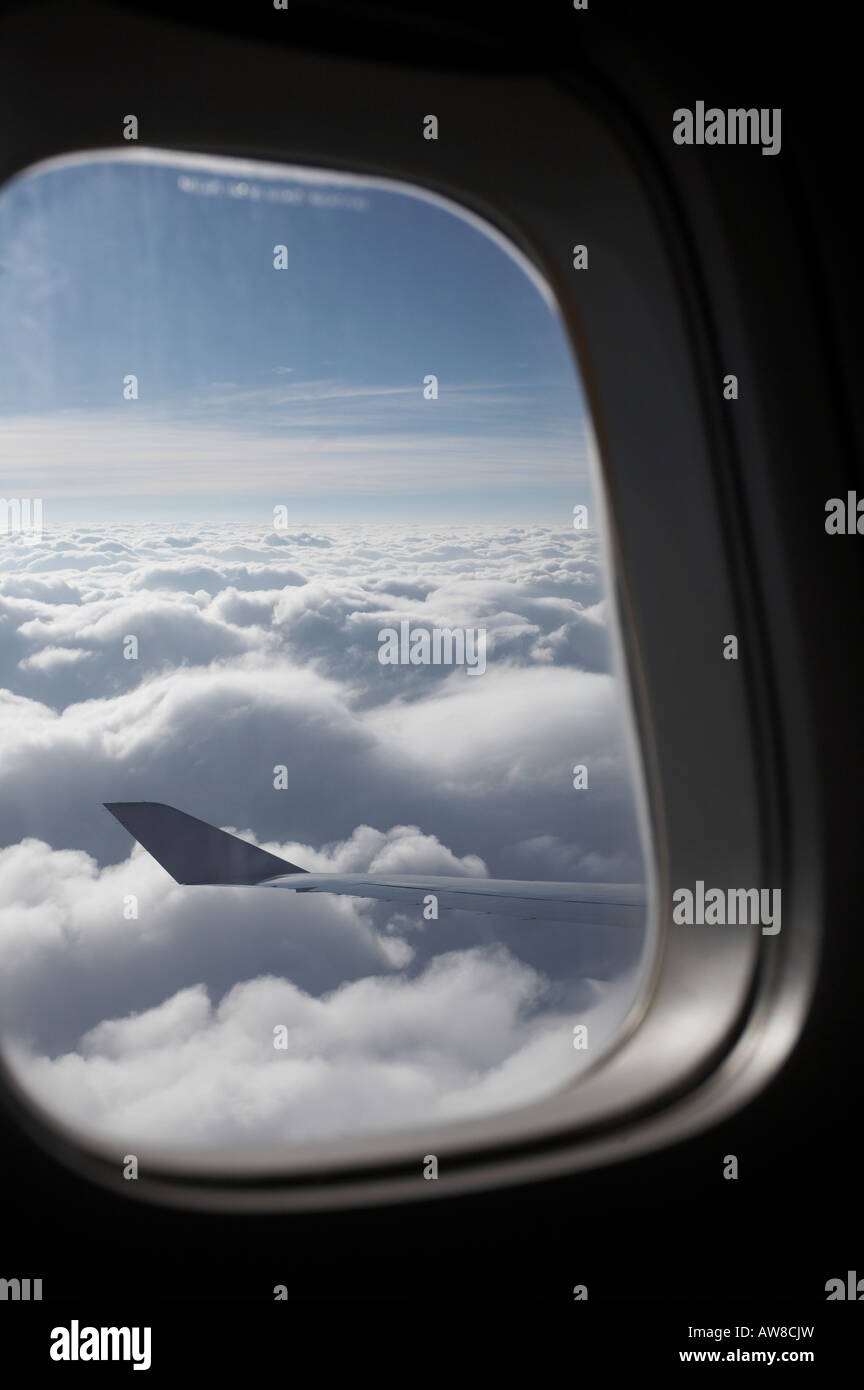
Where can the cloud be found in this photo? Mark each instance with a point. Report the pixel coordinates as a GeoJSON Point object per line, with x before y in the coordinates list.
{"type": "Point", "coordinates": [301, 453]}
{"type": "Point", "coordinates": [70, 953]}
{"type": "Point", "coordinates": [376, 1053]}
{"type": "Point", "coordinates": [258, 649]}
{"type": "Point", "coordinates": [190, 577]}
{"type": "Point", "coordinates": [52, 658]}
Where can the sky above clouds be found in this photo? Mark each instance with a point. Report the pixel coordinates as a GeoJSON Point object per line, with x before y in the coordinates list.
{"type": "Point", "coordinates": [258, 386]}
{"type": "Point", "coordinates": [258, 647]}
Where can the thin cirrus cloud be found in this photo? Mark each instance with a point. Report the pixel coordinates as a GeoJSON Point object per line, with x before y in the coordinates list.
{"type": "Point", "coordinates": [278, 440]}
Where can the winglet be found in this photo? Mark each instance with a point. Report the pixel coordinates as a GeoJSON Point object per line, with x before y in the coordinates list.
{"type": "Point", "coordinates": [194, 852]}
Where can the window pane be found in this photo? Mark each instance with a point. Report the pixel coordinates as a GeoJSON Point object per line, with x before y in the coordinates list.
{"type": "Point", "coordinates": [299, 537]}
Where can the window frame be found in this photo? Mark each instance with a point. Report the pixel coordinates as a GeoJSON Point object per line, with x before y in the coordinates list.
{"type": "Point", "coordinates": [548, 169]}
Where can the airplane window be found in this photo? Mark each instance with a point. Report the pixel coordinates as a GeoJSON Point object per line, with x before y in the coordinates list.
{"type": "Point", "coordinates": [320, 815]}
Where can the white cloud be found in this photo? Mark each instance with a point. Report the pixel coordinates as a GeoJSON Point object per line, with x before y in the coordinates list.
{"type": "Point", "coordinates": [375, 1053]}
{"type": "Point", "coordinates": [53, 658]}
{"type": "Point", "coordinates": [259, 648]}
{"type": "Point", "coordinates": [74, 453]}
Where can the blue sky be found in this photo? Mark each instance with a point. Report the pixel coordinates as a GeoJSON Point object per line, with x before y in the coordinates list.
{"type": "Point", "coordinates": [260, 387]}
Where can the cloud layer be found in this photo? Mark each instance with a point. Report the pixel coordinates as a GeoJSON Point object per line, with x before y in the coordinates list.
{"type": "Point", "coordinates": [257, 649]}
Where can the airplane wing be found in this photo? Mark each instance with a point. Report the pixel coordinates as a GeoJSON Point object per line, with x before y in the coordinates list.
{"type": "Point", "coordinates": [194, 852]}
